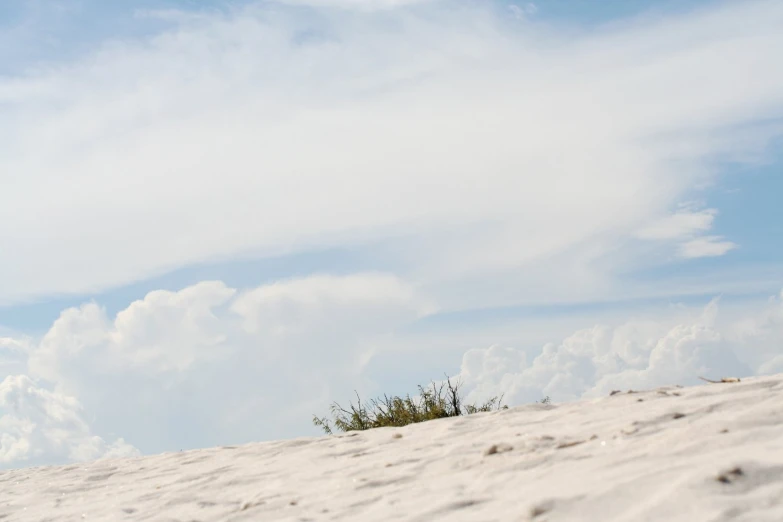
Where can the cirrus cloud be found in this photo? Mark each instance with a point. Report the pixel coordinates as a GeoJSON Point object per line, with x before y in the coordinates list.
{"type": "Point", "coordinates": [468, 144]}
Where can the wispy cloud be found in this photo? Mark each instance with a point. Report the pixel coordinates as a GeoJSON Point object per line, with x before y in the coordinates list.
{"type": "Point", "coordinates": [473, 145]}
{"type": "Point", "coordinates": [689, 227]}
{"type": "Point", "coordinates": [12, 345]}
{"type": "Point", "coordinates": [363, 5]}
{"type": "Point", "coordinates": [710, 246]}
{"type": "Point", "coordinates": [524, 11]}
{"type": "Point", "coordinates": [679, 225]}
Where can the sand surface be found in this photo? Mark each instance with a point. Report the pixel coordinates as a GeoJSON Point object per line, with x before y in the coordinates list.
{"type": "Point", "coordinates": [703, 453]}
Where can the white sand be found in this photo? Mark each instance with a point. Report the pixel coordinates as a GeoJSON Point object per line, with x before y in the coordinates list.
{"type": "Point", "coordinates": [628, 457]}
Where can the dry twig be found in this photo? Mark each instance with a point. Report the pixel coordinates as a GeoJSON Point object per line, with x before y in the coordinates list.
{"type": "Point", "coordinates": [723, 380]}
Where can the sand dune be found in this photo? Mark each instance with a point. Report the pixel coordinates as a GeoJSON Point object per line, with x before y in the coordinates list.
{"type": "Point", "coordinates": [703, 453]}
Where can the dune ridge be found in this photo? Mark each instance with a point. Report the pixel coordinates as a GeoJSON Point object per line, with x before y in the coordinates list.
{"type": "Point", "coordinates": [711, 452]}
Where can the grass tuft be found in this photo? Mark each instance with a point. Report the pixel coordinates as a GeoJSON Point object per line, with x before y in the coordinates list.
{"type": "Point", "coordinates": [398, 411]}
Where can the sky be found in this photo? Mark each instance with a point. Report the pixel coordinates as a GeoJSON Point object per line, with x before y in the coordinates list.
{"type": "Point", "coordinates": [218, 218]}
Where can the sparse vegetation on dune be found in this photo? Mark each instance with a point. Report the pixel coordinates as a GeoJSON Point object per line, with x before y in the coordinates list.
{"type": "Point", "coordinates": [398, 411]}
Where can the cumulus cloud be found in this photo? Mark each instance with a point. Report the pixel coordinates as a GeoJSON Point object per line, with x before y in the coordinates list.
{"type": "Point", "coordinates": [470, 145]}
{"type": "Point", "coordinates": [40, 427]}
{"type": "Point", "coordinates": [636, 354]}
{"type": "Point", "coordinates": [762, 335]}
{"type": "Point", "coordinates": [166, 332]}
{"type": "Point", "coordinates": [210, 365]}
{"type": "Point", "coordinates": [293, 310]}
{"type": "Point", "coordinates": [13, 355]}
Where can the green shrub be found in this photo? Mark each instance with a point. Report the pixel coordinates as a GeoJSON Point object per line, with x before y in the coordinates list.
{"type": "Point", "coordinates": [396, 411]}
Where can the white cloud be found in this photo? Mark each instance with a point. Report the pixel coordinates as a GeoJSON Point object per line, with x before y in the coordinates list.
{"type": "Point", "coordinates": [762, 335]}
{"type": "Point", "coordinates": [523, 11]}
{"type": "Point", "coordinates": [211, 365]}
{"type": "Point", "coordinates": [364, 5]}
{"type": "Point", "coordinates": [166, 332]}
{"type": "Point", "coordinates": [638, 354]}
{"type": "Point", "coordinates": [475, 147]}
{"type": "Point", "coordinates": [40, 427]}
{"type": "Point", "coordinates": [688, 226]}
{"type": "Point", "coordinates": [361, 300]}
{"type": "Point", "coordinates": [13, 354]}
{"type": "Point", "coordinates": [679, 225]}
{"type": "Point", "coordinates": [709, 246]}
{"type": "Point", "coordinates": [13, 346]}
{"type": "Point", "coordinates": [232, 366]}
{"type": "Point", "coordinates": [492, 163]}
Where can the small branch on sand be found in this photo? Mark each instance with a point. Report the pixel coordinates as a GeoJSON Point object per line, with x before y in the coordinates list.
{"type": "Point", "coordinates": [725, 379]}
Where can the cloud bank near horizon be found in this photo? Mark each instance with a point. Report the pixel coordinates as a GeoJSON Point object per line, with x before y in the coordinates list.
{"type": "Point", "coordinates": [255, 364]}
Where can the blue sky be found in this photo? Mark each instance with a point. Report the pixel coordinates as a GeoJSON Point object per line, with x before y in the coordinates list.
{"type": "Point", "coordinates": [544, 198]}
{"type": "Point", "coordinates": [745, 196]}
{"type": "Point", "coordinates": [51, 30]}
